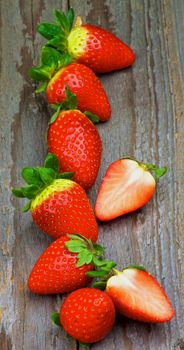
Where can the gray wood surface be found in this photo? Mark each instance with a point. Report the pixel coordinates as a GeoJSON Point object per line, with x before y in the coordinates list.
{"type": "Point", "coordinates": [147, 122]}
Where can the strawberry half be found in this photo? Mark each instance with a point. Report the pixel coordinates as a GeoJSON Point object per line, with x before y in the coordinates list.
{"type": "Point", "coordinates": [63, 266]}
{"type": "Point", "coordinates": [74, 139]}
{"type": "Point", "coordinates": [58, 205]}
{"type": "Point", "coordinates": [87, 314]}
{"type": "Point", "coordinates": [137, 295]}
{"type": "Point", "coordinates": [127, 186]}
{"type": "Point", "coordinates": [55, 72]}
{"type": "Point", "coordinates": [93, 46]}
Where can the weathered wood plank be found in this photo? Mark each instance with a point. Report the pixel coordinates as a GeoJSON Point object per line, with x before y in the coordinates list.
{"type": "Point", "coordinates": [25, 318]}
{"type": "Point", "coordinates": [147, 122]}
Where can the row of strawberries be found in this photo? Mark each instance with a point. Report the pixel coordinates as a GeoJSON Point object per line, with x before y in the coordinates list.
{"type": "Point", "coordinates": [56, 191]}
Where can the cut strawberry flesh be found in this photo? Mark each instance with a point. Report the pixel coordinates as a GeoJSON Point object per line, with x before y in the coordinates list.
{"type": "Point", "coordinates": [126, 187]}
{"type": "Point", "coordinates": [137, 295]}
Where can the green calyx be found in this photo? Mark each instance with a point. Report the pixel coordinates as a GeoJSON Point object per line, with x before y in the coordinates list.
{"type": "Point", "coordinates": [70, 103]}
{"type": "Point", "coordinates": [56, 319]}
{"type": "Point", "coordinates": [89, 252]}
{"type": "Point", "coordinates": [39, 178]}
{"type": "Point", "coordinates": [54, 54]}
{"type": "Point", "coordinates": [57, 33]}
{"type": "Point", "coordinates": [50, 62]}
{"type": "Point", "coordinates": [157, 172]}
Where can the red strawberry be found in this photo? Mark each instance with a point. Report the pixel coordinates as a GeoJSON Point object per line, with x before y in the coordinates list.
{"type": "Point", "coordinates": [126, 186]}
{"type": "Point", "coordinates": [74, 139]}
{"type": "Point", "coordinates": [93, 46]}
{"type": "Point", "coordinates": [58, 205]}
{"type": "Point", "coordinates": [56, 270]}
{"type": "Point", "coordinates": [88, 315]}
{"type": "Point", "coordinates": [137, 295]}
{"type": "Point", "coordinates": [80, 79]}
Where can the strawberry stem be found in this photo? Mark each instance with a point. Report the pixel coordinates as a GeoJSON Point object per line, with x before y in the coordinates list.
{"type": "Point", "coordinates": [158, 172]}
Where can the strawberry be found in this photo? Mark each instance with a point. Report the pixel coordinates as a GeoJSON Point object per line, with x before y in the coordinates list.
{"type": "Point", "coordinates": [55, 72]}
{"type": "Point", "coordinates": [137, 295]}
{"type": "Point", "coordinates": [126, 186]}
{"type": "Point", "coordinates": [87, 314]}
{"type": "Point", "coordinates": [93, 46]}
{"type": "Point", "coordinates": [62, 267]}
{"type": "Point", "coordinates": [58, 205]}
{"type": "Point", "coordinates": [74, 139]}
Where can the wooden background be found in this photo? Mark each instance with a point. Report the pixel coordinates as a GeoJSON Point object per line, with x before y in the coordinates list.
{"type": "Point", "coordinates": [147, 122]}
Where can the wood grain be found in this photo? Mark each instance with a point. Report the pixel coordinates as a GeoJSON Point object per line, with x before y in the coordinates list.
{"type": "Point", "coordinates": [147, 122]}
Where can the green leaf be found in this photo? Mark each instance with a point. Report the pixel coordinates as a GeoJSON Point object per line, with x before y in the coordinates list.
{"type": "Point", "coordinates": [55, 115]}
{"type": "Point", "coordinates": [89, 258]}
{"type": "Point", "coordinates": [48, 30]}
{"type": "Point", "coordinates": [52, 162]}
{"type": "Point", "coordinates": [54, 106]}
{"type": "Point", "coordinates": [70, 101]}
{"type": "Point", "coordinates": [82, 257]}
{"type": "Point", "coordinates": [75, 243]}
{"type": "Point", "coordinates": [67, 175]}
{"type": "Point", "coordinates": [18, 192]}
{"type": "Point", "coordinates": [93, 117]}
{"type": "Point", "coordinates": [138, 267]}
{"type": "Point", "coordinates": [70, 17]}
{"type": "Point", "coordinates": [41, 73]}
{"type": "Point", "coordinates": [56, 319]}
{"type": "Point", "coordinates": [58, 42]}
{"type": "Point", "coordinates": [96, 273]}
{"type": "Point", "coordinates": [31, 176]}
{"type": "Point", "coordinates": [109, 265]}
{"type": "Point", "coordinates": [26, 207]}
{"type": "Point", "coordinates": [42, 87]}
{"type": "Point", "coordinates": [76, 237]}
{"type": "Point", "coordinates": [47, 175]}
{"type": "Point", "coordinates": [99, 285]}
{"type": "Point", "coordinates": [158, 172]}
{"type": "Point", "coordinates": [30, 191]}
{"type": "Point", "coordinates": [99, 249]}
{"type": "Point", "coordinates": [62, 20]}
{"type": "Point", "coordinates": [75, 249]}
{"type": "Point", "coordinates": [66, 59]}
{"type": "Point", "coordinates": [98, 262]}
{"type": "Point", "coordinates": [50, 56]}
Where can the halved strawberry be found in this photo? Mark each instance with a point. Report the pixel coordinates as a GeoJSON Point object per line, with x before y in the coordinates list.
{"type": "Point", "coordinates": [126, 186]}
{"type": "Point", "coordinates": [137, 295]}
{"type": "Point", "coordinates": [93, 46]}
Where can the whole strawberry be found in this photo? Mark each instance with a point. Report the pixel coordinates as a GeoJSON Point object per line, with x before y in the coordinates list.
{"type": "Point", "coordinates": [87, 314]}
{"type": "Point", "coordinates": [74, 139]}
{"type": "Point", "coordinates": [58, 205]}
{"type": "Point", "coordinates": [62, 267]}
{"type": "Point", "coordinates": [126, 186]}
{"type": "Point", "coordinates": [93, 46]}
{"type": "Point", "coordinates": [55, 72]}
